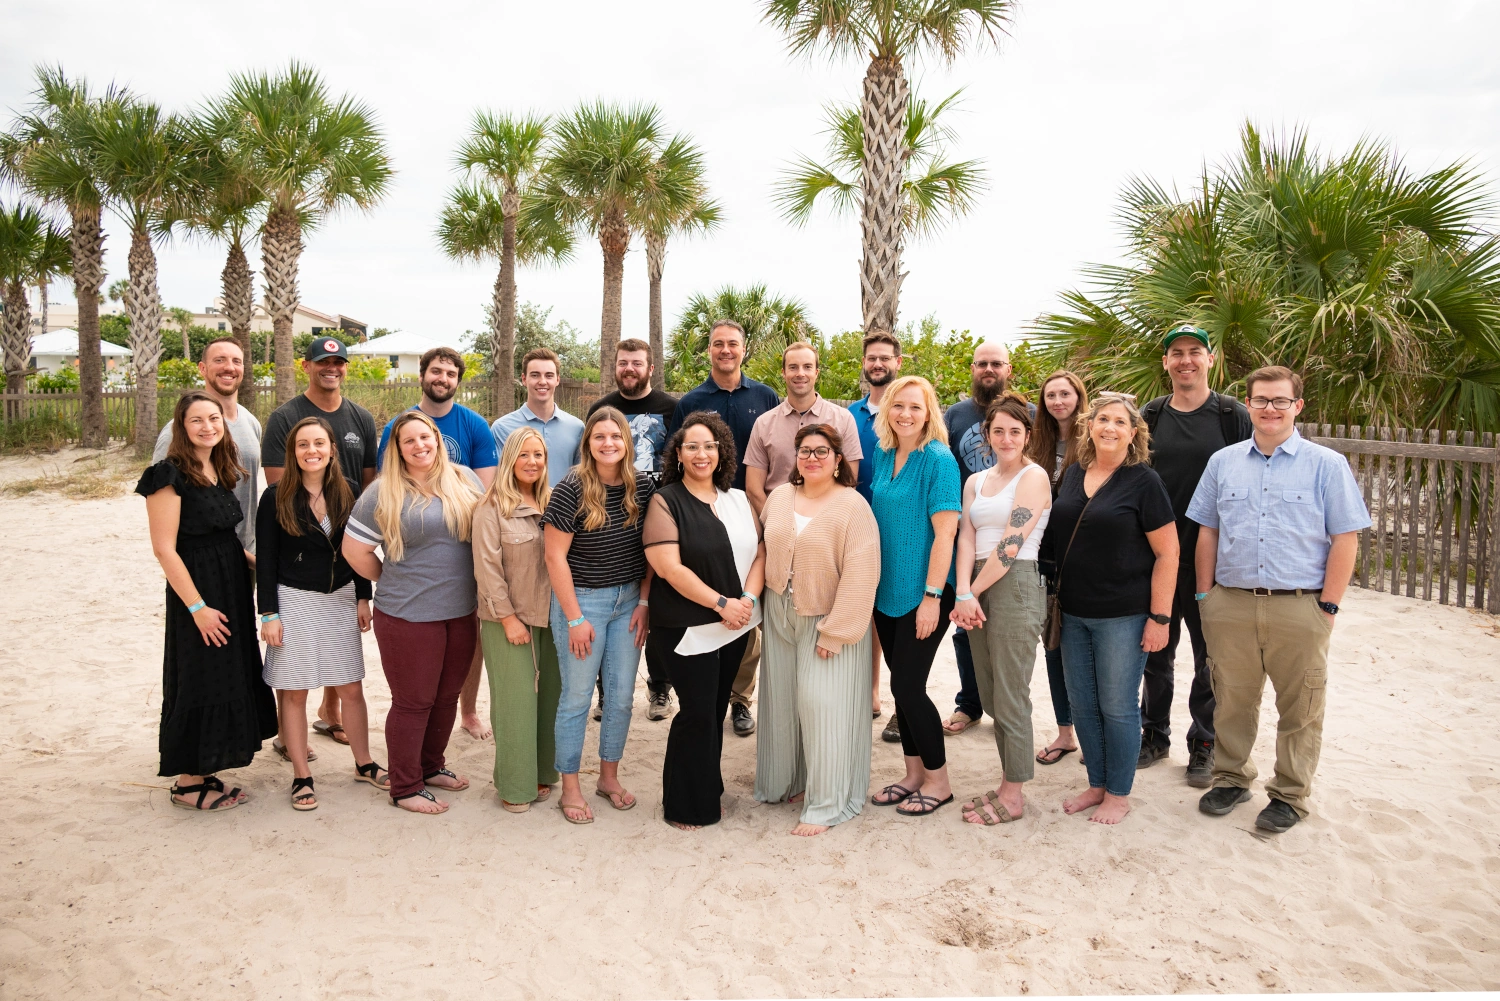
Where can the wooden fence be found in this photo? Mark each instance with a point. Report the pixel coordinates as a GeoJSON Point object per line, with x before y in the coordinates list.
{"type": "Point", "coordinates": [1435, 507]}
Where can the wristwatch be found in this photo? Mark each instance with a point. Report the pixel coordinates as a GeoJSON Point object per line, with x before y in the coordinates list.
{"type": "Point", "coordinates": [1329, 607]}
{"type": "Point", "coordinates": [723, 602]}
{"type": "Point", "coordinates": [1161, 620]}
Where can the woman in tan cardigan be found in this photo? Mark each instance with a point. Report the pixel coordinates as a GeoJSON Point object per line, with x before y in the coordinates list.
{"type": "Point", "coordinates": [822, 566]}
{"type": "Point", "coordinates": [514, 600]}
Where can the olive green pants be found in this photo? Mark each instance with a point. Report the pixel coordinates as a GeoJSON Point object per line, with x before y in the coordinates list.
{"type": "Point", "coordinates": [1004, 651]}
{"type": "Point", "coordinates": [525, 685]}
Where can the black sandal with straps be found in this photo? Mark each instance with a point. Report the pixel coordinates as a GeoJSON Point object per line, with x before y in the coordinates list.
{"type": "Point", "coordinates": [304, 800]}
{"type": "Point", "coordinates": [371, 773]}
{"type": "Point", "coordinates": [222, 803]}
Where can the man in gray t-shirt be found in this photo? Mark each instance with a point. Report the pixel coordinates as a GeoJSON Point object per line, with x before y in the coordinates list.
{"type": "Point", "coordinates": [223, 368]}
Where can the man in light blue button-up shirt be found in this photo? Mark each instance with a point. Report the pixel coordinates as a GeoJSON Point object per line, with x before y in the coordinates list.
{"type": "Point", "coordinates": [561, 431]}
{"type": "Point", "coordinates": [1280, 516]}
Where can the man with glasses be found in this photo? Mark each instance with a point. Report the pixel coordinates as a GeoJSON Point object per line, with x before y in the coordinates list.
{"type": "Point", "coordinates": [1187, 426]}
{"type": "Point", "coordinates": [1279, 518]}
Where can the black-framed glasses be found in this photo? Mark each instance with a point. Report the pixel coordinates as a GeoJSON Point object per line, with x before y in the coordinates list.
{"type": "Point", "coordinates": [1261, 403]}
{"type": "Point", "coordinates": [818, 452]}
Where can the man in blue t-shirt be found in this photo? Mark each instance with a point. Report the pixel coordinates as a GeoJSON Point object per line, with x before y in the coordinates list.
{"type": "Point", "coordinates": [468, 441]}
{"type": "Point", "coordinates": [466, 436]}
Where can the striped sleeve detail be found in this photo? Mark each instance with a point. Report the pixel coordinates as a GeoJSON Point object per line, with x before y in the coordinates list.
{"type": "Point", "coordinates": [362, 533]}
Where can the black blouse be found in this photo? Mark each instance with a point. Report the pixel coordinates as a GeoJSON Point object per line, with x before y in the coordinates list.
{"type": "Point", "coordinates": [311, 561]}
{"type": "Point", "coordinates": [205, 510]}
{"type": "Point", "coordinates": [675, 517]}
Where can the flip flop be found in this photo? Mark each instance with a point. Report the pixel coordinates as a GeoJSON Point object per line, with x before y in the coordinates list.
{"type": "Point", "coordinates": [611, 797]}
{"type": "Point", "coordinates": [580, 820]}
{"type": "Point", "coordinates": [280, 748]}
{"type": "Point", "coordinates": [1052, 755]}
{"type": "Point", "coordinates": [334, 730]}
{"type": "Point", "coordinates": [957, 717]}
{"type": "Point", "coordinates": [447, 774]}
{"type": "Point", "coordinates": [925, 804]}
{"type": "Point", "coordinates": [893, 788]}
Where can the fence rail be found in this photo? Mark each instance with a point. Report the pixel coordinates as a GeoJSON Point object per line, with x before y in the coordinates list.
{"type": "Point", "coordinates": [1434, 502]}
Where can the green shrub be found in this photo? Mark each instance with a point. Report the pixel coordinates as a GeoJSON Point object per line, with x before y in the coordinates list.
{"type": "Point", "coordinates": [177, 373]}
{"type": "Point", "coordinates": [62, 381]}
{"type": "Point", "coordinates": [367, 369]}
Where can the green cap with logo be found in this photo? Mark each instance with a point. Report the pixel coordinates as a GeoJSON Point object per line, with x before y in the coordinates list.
{"type": "Point", "coordinates": [1185, 330]}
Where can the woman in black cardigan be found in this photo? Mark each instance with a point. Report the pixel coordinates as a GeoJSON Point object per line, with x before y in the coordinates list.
{"type": "Point", "coordinates": [313, 605]}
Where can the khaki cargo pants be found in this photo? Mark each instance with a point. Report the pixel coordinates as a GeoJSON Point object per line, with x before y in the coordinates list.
{"type": "Point", "coordinates": [1251, 638]}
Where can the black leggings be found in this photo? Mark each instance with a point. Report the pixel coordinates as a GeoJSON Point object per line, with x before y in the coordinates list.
{"type": "Point", "coordinates": [691, 781]}
{"type": "Point", "coordinates": [910, 661]}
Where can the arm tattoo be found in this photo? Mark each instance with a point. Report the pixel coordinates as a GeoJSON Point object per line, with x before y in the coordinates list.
{"type": "Point", "coordinates": [1019, 516]}
{"type": "Point", "coordinates": [1005, 556]}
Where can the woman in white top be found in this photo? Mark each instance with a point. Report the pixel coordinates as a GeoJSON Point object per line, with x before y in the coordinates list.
{"type": "Point", "coordinates": [703, 541]}
{"type": "Point", "coordinates": [1001, 599]}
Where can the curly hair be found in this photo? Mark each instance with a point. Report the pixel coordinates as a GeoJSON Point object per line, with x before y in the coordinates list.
{"type": "Point", "coordinates": [728, 456]}
{"type": "Point", "coordinates": [843, 475]}
{"type": "Point", "coordinates": [1140, 446]}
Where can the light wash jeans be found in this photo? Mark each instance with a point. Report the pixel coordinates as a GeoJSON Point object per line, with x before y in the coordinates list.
{"type": "Point", "coordinates": [613, 657]}
{"type": "Point", "coordinates": [1103, 662]}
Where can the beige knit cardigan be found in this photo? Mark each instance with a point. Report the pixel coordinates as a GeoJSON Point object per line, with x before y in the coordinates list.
{"type": "Point", "coordinates": [836, 559]}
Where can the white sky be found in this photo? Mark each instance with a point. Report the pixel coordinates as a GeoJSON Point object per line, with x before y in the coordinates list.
{"type": "Point", "coordinates": [1083, 95]}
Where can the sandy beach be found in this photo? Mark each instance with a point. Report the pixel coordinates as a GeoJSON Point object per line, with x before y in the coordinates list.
{"type": "Point", "coordinates": [1392, 884]}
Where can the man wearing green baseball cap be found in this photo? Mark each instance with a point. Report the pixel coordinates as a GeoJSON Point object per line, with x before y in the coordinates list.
{"type": "Point", "coordinates": [1187, 427]}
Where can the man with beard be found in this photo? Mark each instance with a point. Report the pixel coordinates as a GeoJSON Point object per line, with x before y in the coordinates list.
{"type": "Point", "coordinates": [989, 373]}
{"type": "Point", "coordinates": [650, 411]}
{"type": "Point", "coordinates": [468, 442]}
{"type": "Point", "coordinates": [222, 370]}
{"type": "Point", "coordinates": [881, 363]}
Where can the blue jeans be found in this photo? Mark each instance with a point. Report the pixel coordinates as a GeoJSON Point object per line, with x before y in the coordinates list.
{"type": "Point", "coordinates": [967, 700]}
{"type": "Point", "coordinates": [1103, 662]}
{"type": "Point", "coordinates": [613, 657]}
{"type": "Point", "coordinates": [1059, 686]}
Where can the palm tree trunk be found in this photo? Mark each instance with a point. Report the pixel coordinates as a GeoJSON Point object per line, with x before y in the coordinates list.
{"type": "Point", "coordinates": [143, 306]}
{"type": "Point", "coordinates": [883, 114]}
{"type": "Point", "coordinates": [503, 309]}
{"type": "Point", "coordinates": [87, 236]}
{"type": "Point", "coordinates": [238, 305]}
{"type": "Point", "coordinates": [187, 346]}
{"type": "Point", "coordinates": [280, 248]}
{"type": "Point", "coordinates": [15, 338]}
{"type": "Point", "coordinates": [42, 288]}
{"type": "Point", "coordinates": [656, 263]}
{"type": "Point", "coordinates": [614, 239]}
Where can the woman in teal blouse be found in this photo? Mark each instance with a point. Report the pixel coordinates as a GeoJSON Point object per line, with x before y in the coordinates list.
{"type": "Point", "coordinates": [917, 500]}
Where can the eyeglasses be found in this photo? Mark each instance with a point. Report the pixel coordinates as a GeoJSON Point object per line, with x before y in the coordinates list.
{"type": "Point", "coordinates": [693, 448]}
{"type": "Point", "coordinates": [821, 452]}
{"type": "Point", "coordinates": [991, 364]}
{"type": "Point", "coordinates": [1261, 403]}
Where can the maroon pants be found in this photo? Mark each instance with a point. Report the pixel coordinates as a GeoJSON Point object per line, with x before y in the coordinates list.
{"type": "Point", "coordinates": [425, 665]}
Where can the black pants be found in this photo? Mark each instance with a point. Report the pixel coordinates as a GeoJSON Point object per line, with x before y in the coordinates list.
{"type": "Point", "coordinates": [1156, 699]}
{"type": "Point", "coordinates": [691, 780]}
{"type": "Point", "coordinates": [910, 661]}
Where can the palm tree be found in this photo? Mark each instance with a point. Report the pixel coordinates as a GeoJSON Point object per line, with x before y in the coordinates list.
{"type": "Point", "coordinates": [51, 152]}
{"type": "Point", "coordinates": [1381, 287]}
{"type": "Point", "coordinates": [143, 158]}
{"type": "Point", "coordinates": [598, 172]}
{"type": "Point", "coordinates": [889, 32]}
{"type": "Point", "coordinates": [23, 237]}
{"type": "Point", "coordinates": [184, 320]}
{"type": "Point", "coordinates": [677, 202]}
{"type": "Point", "coordinates": [310, 155]}
{"type": "Point", "coordinates": [505, 155]}
{"type": "Point", "coordinates": [54, 261]}
{"type": "Point", "coordinates": [771, 322]}
{"type": "Point", "coordinates": [934, 190]}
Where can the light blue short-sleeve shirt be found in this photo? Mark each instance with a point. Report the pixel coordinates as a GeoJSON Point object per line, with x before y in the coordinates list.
{"type": "Point", "coordinates": [562, 432]}
{"type": "Point", "coordinates": [904, 505]}
{"type": "Point", "coordinates": [1276, 514]}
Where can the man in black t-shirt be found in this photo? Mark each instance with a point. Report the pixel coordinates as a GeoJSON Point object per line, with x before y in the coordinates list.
{"type": "Point", "coordinates": [1187, 427]}
{"type": "Point", "coordinates": [650, 412]}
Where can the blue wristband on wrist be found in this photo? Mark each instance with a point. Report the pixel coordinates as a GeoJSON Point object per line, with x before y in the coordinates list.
{"type": "Point", "coordinates": [270, 618]}
{"type": "Point", "coordinates": [747, 594]}
{"type": "Point", "coordinates": [194, 608]}
{"type": "Point", "coordinates": [1200, 596]}
{"type": "Point", "coordinates": [966, 597]}
{"type": "Point", "coordinates": [932, 592]}
{"type": "Point", "coordinates": [574, 623]}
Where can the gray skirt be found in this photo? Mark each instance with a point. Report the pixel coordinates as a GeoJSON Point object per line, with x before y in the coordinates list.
{"type": "Point", "coordinates": [320, 642]}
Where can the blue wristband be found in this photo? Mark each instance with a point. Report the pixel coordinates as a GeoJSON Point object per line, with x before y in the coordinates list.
{"type": "Point", "coordinates": [966, 597]}
{"type": "Point", "coordinates": [270, 618]}
{"type": "Point", "coordinates": [574, 623]}
{"type": "Point", "coordinates": [1200, 596]}
{"type": "Point", "coordinates": [194, 608]}
{"type": "Point", "coordinates": [932, 592]}
{"type": "Point", "coordinates": [747, 594]}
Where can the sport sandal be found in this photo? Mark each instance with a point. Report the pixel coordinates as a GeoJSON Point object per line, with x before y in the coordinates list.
{"type": "Point", "coordinates": [304, 800]}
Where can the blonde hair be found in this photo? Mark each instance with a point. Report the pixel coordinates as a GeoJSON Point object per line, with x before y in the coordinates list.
{"type": "Point", "coordinates": [1140, 445]}
{"type": "Point", "coordinates": [591, 502]}
{"type": "Point", "coordinates": [397, 484]}
{"type": "Point", "coordinates": [504, 491]}
{"type": "Point", "coordinates": [936, 430]}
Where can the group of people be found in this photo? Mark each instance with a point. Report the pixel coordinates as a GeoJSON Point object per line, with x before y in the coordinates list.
{"type": "Point", "coordinates": [736, 537]}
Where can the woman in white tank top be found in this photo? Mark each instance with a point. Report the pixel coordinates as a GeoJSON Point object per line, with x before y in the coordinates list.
{"type": "Point", "coordinates": [1001, 598]}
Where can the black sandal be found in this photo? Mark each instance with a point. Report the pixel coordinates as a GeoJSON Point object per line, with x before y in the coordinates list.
{"type": "Point", "coordinates": [448, 774]}
{"type": "Point", "coordinates": [371, 773]}
{"type": "Point", "coordinates": [237, 794]}
{"type": "Point", "coordinates": [429, 797]}
{"type": "Point", "coordinates": [925, 805]}
{"type": "Point", "coordinates": [224, 802]}
{"type": "Point", "coordinates": [304, 800]}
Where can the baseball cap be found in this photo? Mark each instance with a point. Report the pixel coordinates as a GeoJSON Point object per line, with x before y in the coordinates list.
{"type": "Point", "coordinates": [325, 347]}
{"type": "Point", "coordinates": [1185, 330]}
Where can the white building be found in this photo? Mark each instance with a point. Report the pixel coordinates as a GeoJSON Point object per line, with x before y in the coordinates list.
{"type": "Point", "coordinates": [305, 320]}
{"type": "Point", "coordinates": [58, 350]}
{"type": "Point", "coordinates": [402, 350]}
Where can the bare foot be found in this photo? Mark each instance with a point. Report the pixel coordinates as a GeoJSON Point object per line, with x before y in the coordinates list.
{"type": "Point", "coordinates": [421, 804]}
{"type": "Point", "coordinates": [1084, 800]}
{"type": "Point", "coordinates": [685, 827]}
{"type": "Point", "coordinates": [1112, 810]}
{"type": "Point", "coordinates": [808, 830]}
{"type": "Point", "coordinates": [576, 811]}
{"type": "Point", "coordinates": [797, 798]}
{"type": "Point", "coordinates": [474, 727]}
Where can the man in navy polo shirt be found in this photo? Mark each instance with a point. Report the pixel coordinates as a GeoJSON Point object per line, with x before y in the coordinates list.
{"type": "Point", "coordinates": [738, 399]}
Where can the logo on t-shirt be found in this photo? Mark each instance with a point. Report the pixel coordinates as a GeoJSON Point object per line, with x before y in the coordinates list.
{"type": "Point", "coordinates": [351, 438]}
{"type": "Point", "coordinates": [455, 452]}
{"type": "Point", "coordinates": [648, 433]}
{"type": "Point", "coordinates": [972, 450]}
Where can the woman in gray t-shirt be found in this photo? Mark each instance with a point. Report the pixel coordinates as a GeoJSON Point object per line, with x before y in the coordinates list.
{"type": "Point", "coordinates": [419, 512]}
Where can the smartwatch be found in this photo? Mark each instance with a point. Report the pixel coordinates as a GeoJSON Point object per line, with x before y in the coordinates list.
{"type": "Point", "coordinates": [723, 602]}
{"type": "Point", "coordinates": [1161, 620]}
{"type": "Point", "coordinates": [1329, 607]}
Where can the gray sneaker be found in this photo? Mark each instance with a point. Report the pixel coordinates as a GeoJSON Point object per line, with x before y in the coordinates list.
{"type": "Point", "coordinates": [659, 706]}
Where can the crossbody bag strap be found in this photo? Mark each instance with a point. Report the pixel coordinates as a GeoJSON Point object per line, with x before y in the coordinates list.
{"type": "Point", "coordinates": [1063, 565]}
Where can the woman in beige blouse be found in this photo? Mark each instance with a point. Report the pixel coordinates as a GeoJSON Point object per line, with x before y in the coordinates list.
{"type": "Point", "coordinates": [822, 566]}
{"type": "Point", "coordinates": [514, 599]}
